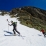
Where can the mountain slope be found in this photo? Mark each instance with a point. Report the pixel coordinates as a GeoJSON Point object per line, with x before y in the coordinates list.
{"type": "Point", "coordinates": [32, 37]}
{"type": "Point", "coordinates": [31, 16]}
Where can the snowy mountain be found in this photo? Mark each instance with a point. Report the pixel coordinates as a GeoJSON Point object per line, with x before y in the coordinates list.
{"type": "Point", "coordinates": [30, 36]}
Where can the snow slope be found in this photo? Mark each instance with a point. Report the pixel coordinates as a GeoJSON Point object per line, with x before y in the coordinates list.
{"type": "Point", "coordinates": [32, 37]}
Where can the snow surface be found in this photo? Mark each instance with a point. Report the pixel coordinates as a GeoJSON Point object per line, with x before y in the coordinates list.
{"type": "Point", "coordinates": [32, 37]}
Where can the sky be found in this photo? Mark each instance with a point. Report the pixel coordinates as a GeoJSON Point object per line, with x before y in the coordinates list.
{"type": "Point", "coordinates": [10, 4]}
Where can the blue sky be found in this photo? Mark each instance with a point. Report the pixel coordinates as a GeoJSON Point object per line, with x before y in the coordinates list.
{"type": "Point", "coordinates": [10, 4]}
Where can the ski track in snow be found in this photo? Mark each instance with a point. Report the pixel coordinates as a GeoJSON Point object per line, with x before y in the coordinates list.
{"type": "Point", "coordinates": [32, 37]}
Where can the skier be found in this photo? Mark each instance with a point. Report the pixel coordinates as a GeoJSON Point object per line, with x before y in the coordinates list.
{"type": "Point", "coordinates": [43, 32]}
{"type": "Point", "coordinates": [14, 27]}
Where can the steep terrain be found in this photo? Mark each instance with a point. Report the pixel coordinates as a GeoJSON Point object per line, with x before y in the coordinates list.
{"type": "Point", "coordinates": [30, 36]}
